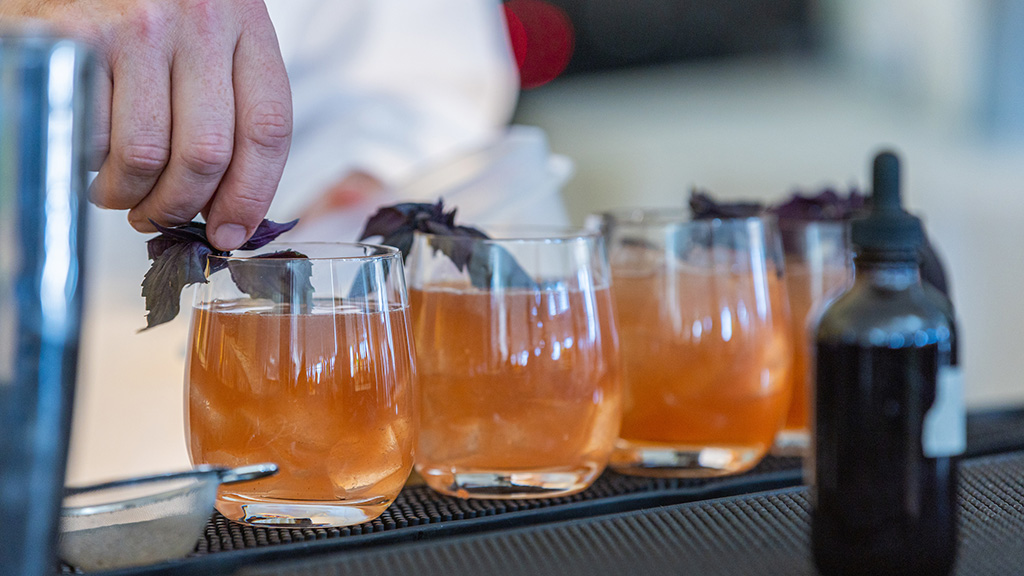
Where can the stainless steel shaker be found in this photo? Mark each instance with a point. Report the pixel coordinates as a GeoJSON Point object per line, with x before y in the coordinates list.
{"type": "Point", "coordinates": [45, 83]}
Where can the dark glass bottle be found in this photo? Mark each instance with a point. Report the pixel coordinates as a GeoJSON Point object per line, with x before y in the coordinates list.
{"type": "Point", "coordinates": [889, 407]}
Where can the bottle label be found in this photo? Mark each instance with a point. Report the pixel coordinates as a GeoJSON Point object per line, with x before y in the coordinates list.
{"type": "Point", "coordinates": [945, 424]}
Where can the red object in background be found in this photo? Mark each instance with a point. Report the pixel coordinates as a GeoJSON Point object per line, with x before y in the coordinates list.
{"type": "Point", "coordinates": [542, 39]}
{"type": "Point", "coordinates": [517, 35]}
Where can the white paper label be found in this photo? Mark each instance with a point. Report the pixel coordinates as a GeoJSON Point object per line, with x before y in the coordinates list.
{"type": "Point", "coordinates": [945, 424]}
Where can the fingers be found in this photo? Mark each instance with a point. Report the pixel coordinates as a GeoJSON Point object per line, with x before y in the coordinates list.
{"type": "Point", "coordinates": [99, 132]}
{"type": "Point", "coordinates": [140, 122]}
{"type": "Point", "coordinates": [194, 115]}
{"type": "Point", "coordinates": [203, 127]}
{"type": "Point", "coordinates": [262, 137]}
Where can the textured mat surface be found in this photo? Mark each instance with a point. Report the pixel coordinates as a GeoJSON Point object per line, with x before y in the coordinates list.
{"type": "Point", "coordinates": [419, 505]}
{"type": "Point", "coordinates": [765, 534]}
{"type": "Point", "coordinates": [419, 513]}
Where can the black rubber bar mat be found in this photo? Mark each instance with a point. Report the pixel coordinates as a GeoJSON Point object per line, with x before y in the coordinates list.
{"type": "Point", "coordinates": [419, 513]}
{"type": "Point", "coordinates": [765, 534]}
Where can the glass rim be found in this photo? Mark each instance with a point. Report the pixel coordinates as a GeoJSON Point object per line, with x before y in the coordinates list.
{"type": "Point", "coordinates": [790, 223]}
{"type": "Point", "coordinates": [177, 487]}
{"type": "Point", "coordinates": [675, 216]}
{"type": "Point", "coordinates": [513, 234]}
{"type": "Point", "coordinates": [382, 252]}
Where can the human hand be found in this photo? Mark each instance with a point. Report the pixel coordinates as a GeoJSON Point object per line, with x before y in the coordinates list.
{"type": "Point", "coordinates": [193, 108]}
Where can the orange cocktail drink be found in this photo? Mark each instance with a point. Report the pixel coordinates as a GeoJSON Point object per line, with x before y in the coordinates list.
{"type": "Point", "coordinates": [706, 348]}
{"type": "Point", "coordinates": [519, 382]}
{"type": "Point", "coordinates": [320, 385]}
{"type": "Point", "coordinates": [817, 268]}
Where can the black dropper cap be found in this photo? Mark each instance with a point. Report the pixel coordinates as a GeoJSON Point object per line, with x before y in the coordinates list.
{"type": "Point", "coordinates": [887, 232]}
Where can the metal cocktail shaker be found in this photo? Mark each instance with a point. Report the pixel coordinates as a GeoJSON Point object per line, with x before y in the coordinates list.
{"type": "Point", "coordinates": [45, 83]}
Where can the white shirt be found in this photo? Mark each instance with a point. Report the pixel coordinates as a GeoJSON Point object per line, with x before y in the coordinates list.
{"type": "Point", "coordinates": [389, 87]}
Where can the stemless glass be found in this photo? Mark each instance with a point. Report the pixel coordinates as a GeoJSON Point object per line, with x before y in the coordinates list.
{"type": "Point", "coordinates": [518, 363]}
{"type": "Point", "coordinates": [307, 363]}
{"type": "Point", "coordinates": [818, 266]}
{"type": "Point", "coordinates": [703, 322]}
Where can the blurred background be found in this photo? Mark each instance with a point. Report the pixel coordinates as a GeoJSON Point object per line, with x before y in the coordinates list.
{"type": "Point", "coordinates": [748, 99]}
{"type": "Point", "coordinates": [756, 99]}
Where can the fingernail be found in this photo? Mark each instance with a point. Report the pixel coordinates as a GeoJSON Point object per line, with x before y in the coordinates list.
{"type": "Point", "coordinates": [229, 236]}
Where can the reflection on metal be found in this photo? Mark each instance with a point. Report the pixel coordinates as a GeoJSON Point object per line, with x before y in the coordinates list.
{"type": "Point", "coordinates": [60, 271]}
{"type": "Point", "coordinates": [44, 85]}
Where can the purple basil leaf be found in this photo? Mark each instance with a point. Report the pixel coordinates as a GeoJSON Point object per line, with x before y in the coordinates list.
{"type": "Point", "coordinates": [413, 208]}
{"type": "Point", "coordinates": [431, 227]}
{"type": "Point", "coordinates": [458, 249]}
{"type": "Point", "coordinates": [191, 232]}
{"type": "Point", "coordinates": [287, 282]}
{"type": "Point", "coordinates": [266, 232]}
{"type": "Point", "coordinates": [704, 207]}
{"type": "Point", "coordinates": [159, 244]}
{"type": "Point", "coordinates": [491, 266]}
{"type": "Point", "coordinates": [180, 256]}
{"type": "Point", "coordinates": [469, 231]}
{"type": "Point", "coordinates": [826, 205]}
{"type": "Point", "coordinates": [457, 244]}
{"type": "Point", "coordinates": [217, 264]}
{"type": "Point", "coordinates": [466, 237]}
{"type": "Point", "coordinates": [177, 266]}
{"type": "Point", "coordinates": [282, 254]}
{"type": "Point", "coordinates": [397, 224]}
{"type": "Point", "coordinates": [384, 223]}
{"type": "Point", "coordinates": [434, 212]}
{"type": "Point", "coordinates": [389, 219]}
{"type": "Point", "coordinates": [402, 239]}
{"type": "Point", "coordinates": [449, 218]}
{"type": "Point", "coordinates": [366, 280]}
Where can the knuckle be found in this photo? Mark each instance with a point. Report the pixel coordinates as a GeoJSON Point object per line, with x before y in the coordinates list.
{"type": "Point", "coordinates": [100, 139]}
{"type": "Point", "coordinates": [97, 150]}
{"type": "Point", "coordinates": [207, 17]}
{"type": "Point", "coordinates": [139, 222]}
{"type": "Point", "coordinates": [253, 199]}
{"type": "Point", "coordinates": [248, 201]}
{"type": "Point", "coordinates": [163, 213]}
{"type": "Point", "coordinates": [175, 215]}
{"type": "Point", "coordinates": [149, 21]}
{"type": "Point", "coordinates": [101, 197]}
{"type": "Point", "coordinates": [208, 155]}
{"type": "Point", "coordinates": [202, 8]}
{"type": "Point", "coordinates": [269, 126]}
{"type": "Point", "coordinates": [251, 12]}
{"type": "Point", "coordinates": [242, 204]}
{"type": "Point", "coordinates": [112, 202]}
{"type": "Point", "coordinates": [143, 159]}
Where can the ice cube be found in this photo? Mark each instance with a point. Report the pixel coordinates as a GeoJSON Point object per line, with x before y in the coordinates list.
{"type": "Point", "coordinates": [209, 421]}
{"type": "Point", "coordinates": [452, 440]}
{"type": "Point", "coordinates": [358, 462]}
{"type": "Point", "coordinates": [605, 428]}
{"type": "Point", "coordinates": [223, 458]}
{"type": "Point", "coordinates": [295, 437]}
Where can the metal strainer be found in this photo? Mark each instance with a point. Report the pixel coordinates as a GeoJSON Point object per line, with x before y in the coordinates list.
{"type": "Point", "coordinates": [144, 520]}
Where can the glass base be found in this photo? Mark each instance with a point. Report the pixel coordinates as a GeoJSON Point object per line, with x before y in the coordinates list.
{"type": "Point", "coordinates": [795, 442]}
{"type": "Point", "coordinates": [681, 461]}
{"type": "Point", "coordinates": [271, 512]}
{"type": "Point", "coordinates": [509, 485]}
